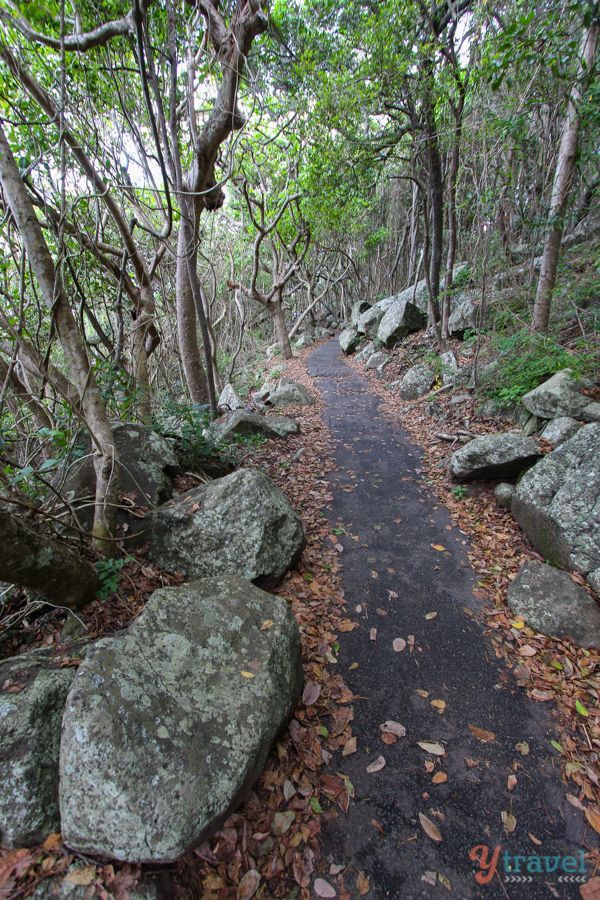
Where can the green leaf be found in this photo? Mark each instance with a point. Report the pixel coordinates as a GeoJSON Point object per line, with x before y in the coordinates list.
{"type": "Point", "coordinates": [315, 805]}
{"type": "Point", "coordinates": [581, 709]}
{"type": "Point", "coordinates": [556, 746]}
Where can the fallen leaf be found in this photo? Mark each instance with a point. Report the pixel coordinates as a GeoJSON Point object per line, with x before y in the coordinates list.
{"type": "Point", "coordinates": [509, 822]}
{"type": "Point", "coordinates": [352, 666]}
{"type": "Point", "coordinates": [439, 778]}
{"type": "Point", "coordinates": [349, 747]}
{"type": "Point", "coordinates": [522, 747]}
{"type": "Point", "coordinates": [376, 766]}
{"type": "Point", "coordinates": [592, 814]}
{"type": "Point", "coordinates": [399, 644]}
{"type": "Point", "coordinates": [430, 829]}
{"type": "Point", "coordinates": [83, 875]}
{"type": "Point", "coordinates": [247, 674]}
{"type": "Point", "coordinates": [434, 748]}
{"type": "Point", "coordinates": [429, 765]}
{"type": "Point", "coordinates": [581, 709]}
{"type": "Point", "coordinates": [439, 704]}
{"type": "Point", "coordinates": [322, 888]}
{"type": "Point", "coordinates": [282, 822]}
{"type": "Point", "coordinates": [534, 839]}
{"type": "Point", "coordinates": [248, 885]}
{"type": "Point", "coordinates": [268, 623]}
{"type": "Point", "coordinates": [311, 693]}
{"type": "Point", "coordinates": [511, 782]}
{"type": "Point", "coordinates": [486, 737]}
{"type": "Point", "coordinates": [443, 879]}
{"type": "Point", "coordinates": [362, 884]}
{"type": "Point", "coordinates": [527, 650]}
{"type": "Point", "coordinates": [373, 634]}
{"type": "Point", "coordinates": [394, 728]}
{"type": "Point", "coordinates": [429, 878]}
{"type": "Point", "coordinates": [591, 889]}
{"type": "Point", "coordinates": [431, 615]}
{"type": "Point", "coordinates": [439, 547]}
{"type": "Point", "coordinates": [422, 693]}
{"type": "Point", "coordinates": [53, 841]}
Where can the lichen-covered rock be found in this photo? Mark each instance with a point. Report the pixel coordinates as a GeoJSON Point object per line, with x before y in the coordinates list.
{"type": "Point", "coordinates": [349, 340]}
{"type": "Point", "coordinates": [553, 604]}
{"type": "Point", "coordinates": [400, 319]}
{"type": "Point", "coordinates": [30, 720]}
{"type": "Point", "coordinates": [561, 396]}
{"type": "Point", "coordinates": [559, 430]}
{"type": "Point", "coordinates": [229, 400]}
{"type": "Point", "coordinates": [367, 351]}
{"type": "Point", "coordinates": [464, 315]}
{"type": "Point", "coordinates": [378, 360]}
{"type": "Point", "coordinates": [503, 493]}
{"type": "Point", "coordinates": [306, 340]}
{"type": "Point", "coordinates": [290, 393]}
{"type": "Point", "coordinates": [593, 580]}
{"type": "Point", "coordinates": [237, 525]}
{"type": "Point", "coordinates": [416, 382]}
{"type": "Point", "coordinates": [449, 367]}
{"type": "Point", "coordinates": [368, 322]}
{"type": "Point", "coordinates": [168, 725]}
{"type": "Point", "coordinates": [147, 465]}
{"type": "Point", "coordinates": [494, 456]}
{"type": "Point", "coordinates": [358, 308]}
{"type": "Point", "coordinates": [246, 423]}
{"type": "Point", "coordinates": [557, 503]}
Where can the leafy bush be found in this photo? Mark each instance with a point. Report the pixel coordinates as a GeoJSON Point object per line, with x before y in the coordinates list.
{"type": "Point", "coordinates": [190, 423]}
{"type": "Point", "coordinates": [527, 359]}
{"type": "Point", "coordinates": [109, 575]}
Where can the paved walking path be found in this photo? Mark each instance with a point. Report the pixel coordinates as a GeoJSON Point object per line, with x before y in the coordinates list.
{"type": "Point", "coordinates": [381, 497]}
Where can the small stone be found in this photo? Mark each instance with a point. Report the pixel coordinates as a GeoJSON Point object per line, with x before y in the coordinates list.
{"type": "Point", "coordinates": [560, 429]}
{"type": "Point", "coordinates": [549, 601]}
{"type": "Point", "coordinates": [417, 382]}
{"type": "Point", "coordinates": [378, 361]}
{"type": "Point", "coordinates": [503, 493]}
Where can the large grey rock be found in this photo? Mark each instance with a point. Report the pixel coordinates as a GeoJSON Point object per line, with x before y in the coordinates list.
{"type": "Point", "coordinates": [400, 319]}
{"type": "Point", "coordinates": [358, 308]}
{"type": "Point", "coordinates": [368, 322]}
{"type": "Point", "coordinates": [147, 465]}
{"type": "Point", "coordinates": [557, 503]}
{"type": "Point", "coordinates": [237, 525]}
{"type": "Point", "coordinates": [349, 340]}
{"type": "Point", "coordinates": [561, 396]}
{"type": "Point", "coordinates": [33, 692]}
{"type": "Point", "coordinates": [503, 493]}
{"type": "Point", "coordinates": [378, 360]}
{"type": "Point", "coordinates": [553, 604]}
{"type": "Point", "coordinates": [593, 580]}
{"type": "Point", "coordinates": [245, 423]}
{"type": "Point", "coordinates": [464, 315]}
{"type": "Point", "coordinates": [290, 393]}
{"type": "Point", "coordinates": [229, 400]}
{"type": "Point", "coordinates": [168, 725]}
{"type": "Point", "coordinates": [305, 340]}
{"type": "Point", "coordinates": [367, 351]}
{"type": "Point", "coordinates": [416, 382]}
{"type": "Point", "coordinates": [494, 456]}
{"type": "Point", "coordinates": [559, 430]}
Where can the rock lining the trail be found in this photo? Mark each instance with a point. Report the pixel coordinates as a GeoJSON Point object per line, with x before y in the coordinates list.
{"type": "Point", "coordinates": [494, 456]}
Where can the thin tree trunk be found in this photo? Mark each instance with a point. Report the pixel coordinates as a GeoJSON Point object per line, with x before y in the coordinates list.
{"type": "Point", "coordinates": [280, 328]}
{"type": "Point", "coordinates": [187, 331]}
{"type": "Point", "coordinates": [72, 344]}
{"type": "Point", "coordinates": [34, 559]}
{"type": "Point", "coordinates": [563, 178]}
{"type": "Point", "coordinates": [41, 417]}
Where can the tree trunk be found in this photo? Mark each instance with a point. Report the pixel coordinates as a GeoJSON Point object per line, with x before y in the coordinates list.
{"type": "Point", "coordinates": [36, 560]}
{"type": "Point", "coordinates": [280, 328]}
{"type": "Point", "coordinates": [72, 343]}
{"type": "Point", "coordinates": [563, 178]}
{"type": "Point", "coordinates": [187, 331]}
{"type": "Point", "coordinates": [40, 414]}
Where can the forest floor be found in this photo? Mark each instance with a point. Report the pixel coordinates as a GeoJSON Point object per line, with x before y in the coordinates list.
{"type": "Point", "coordinates": [431, 723]}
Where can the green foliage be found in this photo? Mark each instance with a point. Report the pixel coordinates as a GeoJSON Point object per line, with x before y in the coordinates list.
{"type": "Point", "coordinates": [527, 359]}
{"type": "Point", "coordinates": [460, 492]}
{"type": "Point", "coordinates": [190, 423]}
{"type": "Point", "coordinates": [108, 573]}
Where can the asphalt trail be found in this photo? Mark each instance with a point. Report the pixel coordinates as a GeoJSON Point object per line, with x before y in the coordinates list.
{"type": "Point", "coordinates": [381, 497]}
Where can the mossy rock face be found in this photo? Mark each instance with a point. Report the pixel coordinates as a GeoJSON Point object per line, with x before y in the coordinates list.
{"type": "Point", "coordinates": [557, 502]}
{"type": "Point", "coordinates": [168, 725]}
{"type": "Point", "coordinates": [238, 525]}
{"type": "Point", "coordinates": [33, 692]}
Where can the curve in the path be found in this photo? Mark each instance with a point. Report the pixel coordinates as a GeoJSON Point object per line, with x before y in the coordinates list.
{"type": "Point", "coordinates": [392, 578]}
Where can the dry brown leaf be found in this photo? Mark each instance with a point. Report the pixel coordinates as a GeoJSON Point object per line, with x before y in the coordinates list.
{"type": "Point", "coordinates": [527, 650]}
{"type": "Point", "coordinates": [394, 728]}
{"type": "Point", "coordinates": [430, 829]}
{"type": "Point", "coordinates": [399, 644]}
{"type": "Point", "coordinates": [430, 615]}
{"type": "Point", "coordinates": [592, 814]}
{"type": "Point", "coordinates": [439, 778]}
{"type": "Point", "coordinates": [362, 884]}
{"type": "Point", "coordinates": [373, 634]}
{"type": "Point", "coordinates": [486, 737]}
{"type": "Point", "coordinates": [534, 839]}
{"type": "Point", "coordinates": [248, 885]}
{"type": "Point", "coordinates": [591, 889]}
{"type": "Point", "coordinates": [511, 782]}
{"type": "Point", "coordinates": [439, 704]}
{"type": "Point", "coordinates": [322, 888]}
{"type": "Point", "coordinates": [311, 693]}
{"type": "Point", "coordinates": [83, 875]}
{"type": "Point", "coordinates": [349, 747]}
{"type": "Point", "coordinates": [508, 821]}
{"type": "Point", "coordinates": [439, 547]}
